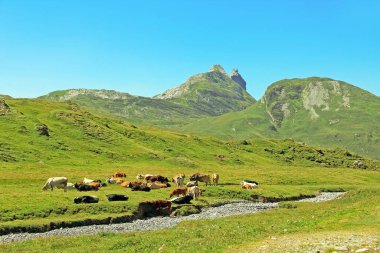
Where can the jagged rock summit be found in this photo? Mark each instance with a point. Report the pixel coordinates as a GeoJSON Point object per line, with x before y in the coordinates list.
{"type": "Point", "coordinates": [218, 68]}
{"type": "Point", "coordinates": [238, 78]}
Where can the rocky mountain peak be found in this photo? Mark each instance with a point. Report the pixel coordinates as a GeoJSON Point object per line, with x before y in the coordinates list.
{"type": "Point", "coordinates": [218, 68]}
{"type": "Point", "coordinates": [238, 78]}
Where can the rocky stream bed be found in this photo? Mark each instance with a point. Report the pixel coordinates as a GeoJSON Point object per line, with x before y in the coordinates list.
{"type": "Point", "coordinates": [231, 209]}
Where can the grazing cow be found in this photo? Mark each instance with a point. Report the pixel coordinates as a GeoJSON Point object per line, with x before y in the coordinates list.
{"type": "Point", "coordinates": [111, 180]}
{"type": "Point", "coordinates": [143, 188]}
{"type": "Point", "coordinates": [178, 191]}
{"type": "Point", "coordinates": [86, 199]}
{"type": "Point", "coordinates": [215, 178]}
{"type": "Point", "coordinates": [55, 182]}
{"type": "Point", "coordinates": [143, 176]}
{"type": "Point", "coordinates": [194, 192]}
{"type": "Point", "coordinates": [117, 197]}
{"type": "Point", "coordinates": [179, 179]}
{"type": "Point", "coordinates": [119, 174]}
{"type": "Point", "coordinates": [158, 178]}
{"type": "Point", "coordinates": [85, 187]}
{"type": "Point", "coordinates": [192, 183]}
{"type": "Point", "coordinates": [201, 178]}
{"type": "Point", "coordinates": [70, 186]}
{"type": "Point", "coordinates": [182, 200]}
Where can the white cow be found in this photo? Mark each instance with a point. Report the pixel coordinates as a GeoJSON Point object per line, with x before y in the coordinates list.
{"type": "Point", "coordinates": [87, 180]}
{"type": "Point", "coordinates": [55, 182]}
{"type": "Point", "coordinates": [194, 192]}
{"type": "Point", "coordinates": [111, 180]}
{"type": "Point", "coordinates": [70, 186]}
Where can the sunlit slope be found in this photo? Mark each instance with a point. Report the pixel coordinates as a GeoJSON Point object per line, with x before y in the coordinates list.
{"type": "Point", "coordinates": [319, 111]}
{"type": "Point", "coordinates": [202, 95]}
{"type": "Point", "coordinates": [54, 132]}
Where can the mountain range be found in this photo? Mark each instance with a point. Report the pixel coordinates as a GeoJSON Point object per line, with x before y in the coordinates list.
{"type": "Point", "coordinates": [318, 111]}
{"type": "Point", "coordinates": [207, 94]}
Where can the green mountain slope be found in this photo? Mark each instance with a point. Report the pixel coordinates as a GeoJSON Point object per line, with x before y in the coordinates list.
{"type": "Point", "coordinates": [207, 94]}
{"type": "Point", "coordinates": [319, 111]}
{"type": "Point", "coordinates": [62, 133]}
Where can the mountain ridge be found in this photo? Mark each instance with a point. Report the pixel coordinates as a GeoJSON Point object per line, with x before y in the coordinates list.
{"type": "Point", "coordinates": [206, 94]}
{"type": "Point", "coordinates": [319, 111]}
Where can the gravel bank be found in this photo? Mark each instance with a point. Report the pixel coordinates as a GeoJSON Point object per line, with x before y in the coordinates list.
{"type": "Point", "coordinates": [156, 223]}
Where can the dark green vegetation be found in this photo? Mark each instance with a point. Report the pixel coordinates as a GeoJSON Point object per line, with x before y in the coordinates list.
{"type": "Point", "coordinates": [202, 95]}
{"type": "Point", "coordinates": [318, 111]}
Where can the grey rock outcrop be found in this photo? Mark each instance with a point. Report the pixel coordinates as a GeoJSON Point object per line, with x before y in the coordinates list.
{"type": "Point", "coordinates": [4, 108]}
{"type": "Point", "coordinates": [238, 78]}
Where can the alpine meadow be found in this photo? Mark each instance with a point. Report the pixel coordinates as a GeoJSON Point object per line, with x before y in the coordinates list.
{"type": "Point", "coordinates": [209, 165]}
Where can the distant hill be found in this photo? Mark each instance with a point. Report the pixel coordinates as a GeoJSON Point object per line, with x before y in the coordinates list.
{"type": "Point", "coordinates": [207, 94]}
{"type": "Point", "coordinates": [48, 132]}
{"type": "Point", "coordinates": [319, 111]}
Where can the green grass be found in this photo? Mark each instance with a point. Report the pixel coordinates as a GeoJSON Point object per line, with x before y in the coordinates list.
{"type": "Point", "coordinates": [82, 144]}
{"type": "Point", "coordinates": [357, 211]}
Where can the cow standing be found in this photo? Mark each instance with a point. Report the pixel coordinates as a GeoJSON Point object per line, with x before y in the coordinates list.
{"type": "Point", "coordinates": [55, 182]}
{"type": "Point", "coordinates": [215, 178]}
{"type": "Point", "coordinates": [194, 191]}
{"type": "Point", "coordinates": [201, 178]}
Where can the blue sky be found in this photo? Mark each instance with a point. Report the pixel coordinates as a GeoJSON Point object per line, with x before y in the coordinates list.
{"type": "Point", "coordinates": [145, 47]}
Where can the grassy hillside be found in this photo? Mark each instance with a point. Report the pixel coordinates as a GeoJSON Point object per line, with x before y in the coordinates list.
{"type": "Point", "coordinates": [41, 139]}
{"type": "Point", "coordinates": [206, 94]}
{"type": "Point", "coordinates": [319, 111]}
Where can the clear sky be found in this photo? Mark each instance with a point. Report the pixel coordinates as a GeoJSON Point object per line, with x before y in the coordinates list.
{"type": "Point", "coordinates": [145, 47]}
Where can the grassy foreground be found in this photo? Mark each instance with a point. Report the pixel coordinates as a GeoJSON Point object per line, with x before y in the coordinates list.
{"type": "Point", "coordinates": [81, 144]}
{"type": "Point", "coordinates": [357, 211]}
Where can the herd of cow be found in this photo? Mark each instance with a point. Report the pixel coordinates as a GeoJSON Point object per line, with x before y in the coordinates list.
{"type": "Point", "coordinates": [189, 191]}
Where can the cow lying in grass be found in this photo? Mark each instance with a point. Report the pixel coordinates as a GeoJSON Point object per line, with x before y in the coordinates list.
{"type": "Point", "coordinates": [182, 200]}
{"type": "Point", "coordinates": [248, 184]}
{"type": "Point", "coordinates": [143, 188]}
{"type": "Point", "coordinates": [85, 187]}
{"type": "Point", "coordinates": [117, 197]}
{"type": "Point", "coordinates": [55, 182]}
{"type": "Point", "coordinates": [86, 199]}
{"type": "Point", "coordinates": [178, 191]}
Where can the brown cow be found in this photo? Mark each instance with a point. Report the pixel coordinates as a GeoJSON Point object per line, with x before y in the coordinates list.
{"type": "Point", "coordinates": [155, 207]}
{"type": "Point", "coordinates": [119, 174]}
{"type": "Point", "coordinates": [157, 178]}
{"type": "Point", "coordinates": [178, 191]}
{"type": "Point", "coordinates": [137, 183]}
{"type": "Point", "coordinates": [95, 184]}
{"type": "Point", "coordinates": [118, 180]}
{"type": "Point", "coordinates": [201, 178]}
{"type": "Point", "coordinates": [125, 184]}
{"type": "Point", "coordinates": [157, 185]}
